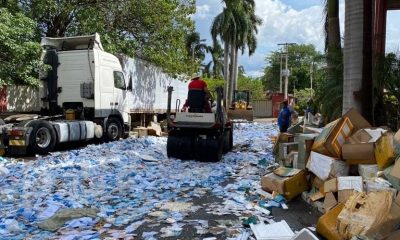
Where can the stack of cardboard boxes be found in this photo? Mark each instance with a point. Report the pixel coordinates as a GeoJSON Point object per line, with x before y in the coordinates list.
{"type": "Point", "coordinates": [343, 171]}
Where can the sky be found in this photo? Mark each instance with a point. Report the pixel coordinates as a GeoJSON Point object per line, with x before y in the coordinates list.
{"type": "Point", "coordinates": [284, 21]}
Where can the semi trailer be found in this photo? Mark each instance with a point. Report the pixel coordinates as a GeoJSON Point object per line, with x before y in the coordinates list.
{"type": "Point", "coordinates": [87, 94]}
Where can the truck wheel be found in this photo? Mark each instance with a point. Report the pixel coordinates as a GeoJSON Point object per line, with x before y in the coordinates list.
{"type": "Point", "coordinates": [228, 140]}
{"type": "Point", "coordinates": [42, 138]}
{"type": "Point", "coordinates": [113, 129]}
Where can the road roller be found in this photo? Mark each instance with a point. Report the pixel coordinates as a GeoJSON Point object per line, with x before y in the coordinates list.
{"type": "Point", "coordinates": [195, 134]}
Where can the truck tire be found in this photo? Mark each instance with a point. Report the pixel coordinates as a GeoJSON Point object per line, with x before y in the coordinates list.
{"type": "Point", "coordinates": [113, 129]}
{"type": "Point", "coordinates": [42, 138]}
{"type": "Point", "coordinates": [228, 140]}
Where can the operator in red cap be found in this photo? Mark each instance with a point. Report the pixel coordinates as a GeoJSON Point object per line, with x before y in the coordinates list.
{"type": "Point", "coordinates": [198, 84]}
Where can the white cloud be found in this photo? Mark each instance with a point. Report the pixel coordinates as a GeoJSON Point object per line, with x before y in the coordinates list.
{"type": "Point", "coordinates": [202, 11]}
{"type": "Point", "coordinates": [282, 23]}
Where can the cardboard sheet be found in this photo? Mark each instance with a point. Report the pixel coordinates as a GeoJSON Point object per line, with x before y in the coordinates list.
{"type": "Point", "coordinates": [329, 202]}
{"type": "Point", "coordinates": [279, 230]}
{"type": "Point", "coordinates": [325, 167]}
{"type": "Point", "coordinates": [331, 185]}
{"type": "Point", "coordinates": [353, 183]}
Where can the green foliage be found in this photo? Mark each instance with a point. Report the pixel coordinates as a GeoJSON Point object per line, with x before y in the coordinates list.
{"type": "Point", "coordinates": [155, 30]}
{"type": "Point", "coordinates": [255, 86]}
{"type": "Point", "coordinates": [300, 60]}
{"type": "Point", "coordinates": [213, 83]}
{"type": "Point", "coordinates": [19, 52]}
{"type": "Point", "coordinates": [388, 79]}
{"type": "Point", "coordinates": [303, 97]}
{"type": "Point", "coordinates": [329, 91]}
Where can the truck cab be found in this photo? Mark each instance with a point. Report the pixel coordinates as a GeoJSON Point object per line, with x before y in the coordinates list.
{"type": "Point", "coordinates": [86, 80]}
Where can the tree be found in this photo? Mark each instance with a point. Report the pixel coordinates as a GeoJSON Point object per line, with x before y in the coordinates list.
{"type": "Point", "coordinates": [19, 52]}
{"type": "Point", "coordinates": [130, 27]}
{"type": "Point", "coordinates": [304, 60]}
{"type": "Point", "coordinates": [389, 80]}
{"type": "Point", "coordinates": [237, 26]}
{"type": "Point", "coordinates": [216, 63]}
{"type": "Point", "coordinates": [194, 46]}
{"type": "Point", "coordinates": [333, 85]}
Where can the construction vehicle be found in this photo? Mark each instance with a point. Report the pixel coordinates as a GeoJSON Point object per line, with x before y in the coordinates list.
{"type": "Point", "coordinates": [198, 135]}
{"type": "Point", "coordinates": [241, 108]}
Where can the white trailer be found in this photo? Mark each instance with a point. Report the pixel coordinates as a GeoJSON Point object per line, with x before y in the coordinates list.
{"type": "Point", "coordinates": [86, 94]}
{"type": "Point", "coordinates": [148, 86]}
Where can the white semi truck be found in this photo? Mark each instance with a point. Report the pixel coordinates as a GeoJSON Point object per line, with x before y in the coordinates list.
{"type": "Point", "coordinates": [88, 93]}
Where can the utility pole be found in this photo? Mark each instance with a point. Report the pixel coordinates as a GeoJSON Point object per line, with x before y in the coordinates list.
{"type": "Point", "coordinates": [286, 73]}
{"type": "Point", "coordinates": [280, 75]}
{"type": "Point", "coordinates": [311, 77]}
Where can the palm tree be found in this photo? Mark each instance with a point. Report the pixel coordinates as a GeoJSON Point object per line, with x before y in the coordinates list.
{"type": "Point", "coordinates": [331, 106]}
{"type": "Point", "coordinates": [216, 62]}
{"type": "Point", "coordinates": [194, 47]}
{"type": "Point", "coordinates": [237, 26]}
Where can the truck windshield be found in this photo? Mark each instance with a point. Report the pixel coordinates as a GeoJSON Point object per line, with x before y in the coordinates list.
{"type": "Point", "coordinates": [119, 81]}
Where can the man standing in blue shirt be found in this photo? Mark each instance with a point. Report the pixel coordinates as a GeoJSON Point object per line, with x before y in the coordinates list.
{"type": "Point", "coordinates": [284, 117]}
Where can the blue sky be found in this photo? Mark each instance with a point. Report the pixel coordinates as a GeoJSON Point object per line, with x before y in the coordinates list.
{"type": "Point", "coordinates": [299, 21]}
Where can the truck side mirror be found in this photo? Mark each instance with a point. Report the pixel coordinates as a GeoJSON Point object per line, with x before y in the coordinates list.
{"type": "Point", "coordinates": [130, 84]}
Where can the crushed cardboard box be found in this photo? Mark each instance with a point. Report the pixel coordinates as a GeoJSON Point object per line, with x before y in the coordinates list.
{"type": "Point", "coordinates": [366, 214]}
{"type": "Point", "coordinates": [346, 186]}
{"type": "Point", "coordinates": [326, 225]}
{"type": "Point", "coordinates": [370, 146]}
{"type": "Point", "coordinates": [289, 186]}
{"type": "Point", "coordinates": [378, 184]}
{"type": "Point", "coordinates": [326, 167]}
{"type": "Point", "coordinates": [390, 222]}
{"type": "Point", "coordinates": [334, 135]}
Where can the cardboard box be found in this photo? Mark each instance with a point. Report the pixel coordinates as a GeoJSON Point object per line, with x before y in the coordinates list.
{"type": "Point", "coordinates": [317, 183]}
{"type": "Point", "coordinates": [334, 135]}
{"type": "Point", "coordinates": [366, 214]}
{"type": "Point", "coordinates": [377, 185]}
{"type": "Point", "coordinates": [282, 138]}
{"type": "Point", "coordinates": [396, 169]}
{"type": "Point", "coordinates": [331, 185]}
{"type": "Point", "coordinates": [370, 146]}
{"type": "Point", "coordinates": [286, 148]}
{"type": "Point", "coordinates": [368, 171]}
{"type": "Point", "coordinates": [290, 187]}
{"type": "Point", "coordinates": [347, 185]}
{"type": "Point", "coordinates": [305, 144]}
{"type": "Point", "coordinates": [394, 181]}
{"type": "Point", "coordinates": [329, 202]}
{"type": "Point", "coordinates": [326, 225]}
{"type": "Point", "coordinates": [326, 167]}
